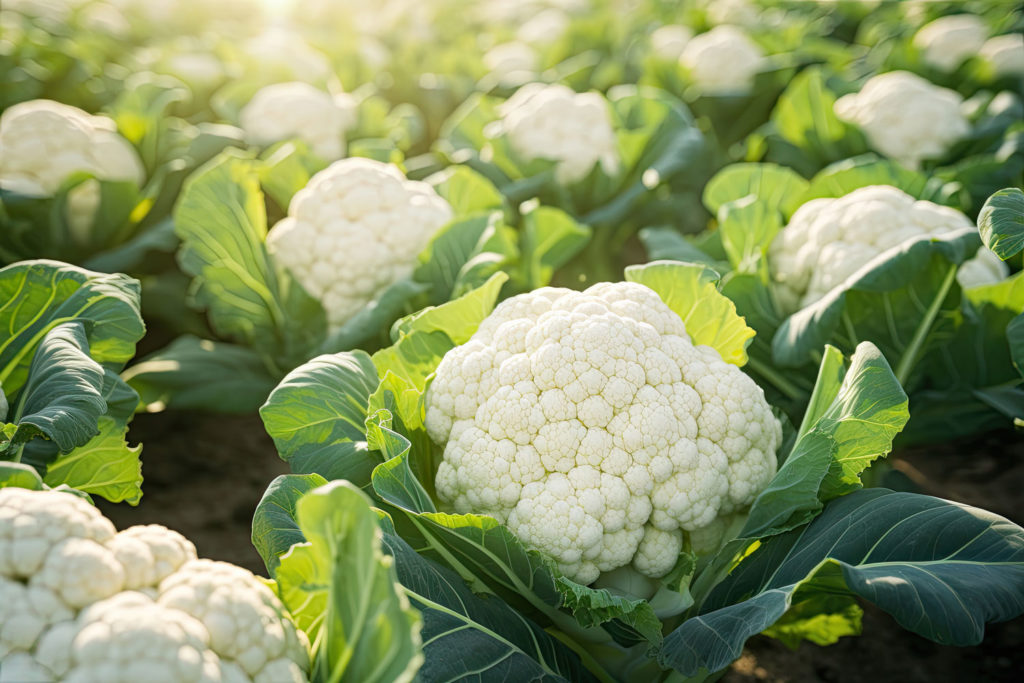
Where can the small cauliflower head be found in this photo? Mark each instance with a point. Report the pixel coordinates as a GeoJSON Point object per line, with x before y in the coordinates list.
{"type": "Point", "coordinates": [591, 425]}
{"type": "Point", "coordinates": [828, 240]}
{"type": "Point", "coordinates": [1005, 53]}
{"type": "Point", "coordinates": [905, 117]}
{"type": "Point", "coordinates": [42, 142]}
{"type": "Point", "coordinates": [948, 41]}
{"type": "Point", "coordinates": [285, 111]}
{"type": "Point", "coordinates": [555, 123]}
{"type": "Point", "coordinates": [354, 230]}
{"type": "Point", "coordinates": [80, 602]}
{"type": "Point", "coordinates": [723, 61]}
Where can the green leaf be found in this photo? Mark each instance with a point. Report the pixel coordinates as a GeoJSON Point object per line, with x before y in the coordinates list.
{"type": "Point", "coordinates": [467, 191]}
{"type": "Point", "coordinates": [779, 187]}
{"type": "Point", "coordinates": [551, 238]}
{"type": "Point", "coordinates": [200, 374]}
{"type": "Point", "coordinates": [104, 466]}
{"type": "Point", "coordinates": [941, 569]}
{"type": "Point", "coordinates": [843, 177]}
{"type": "Point", "coordinates": [369, 327]}
{"type": "Point", "coordinates": [821, 619]}
{"type": "Point", "coordinates": [691, 291]}
{"type": "Point", "coordinates": [19, 475]}
{"type": "Point", "coordinates": [1015, 335]}
{"type": "Point", "coordinates": [804, 116]}
{"type": "Point", "coordinates": [286, 169]}
{"type": "Point", "coordinates": [748, 226]}
{"type": "Point", "coordinates": [316, 417]}
{"type": "Point", "coordinates": [1001, 222]}
{"type": "Point", "coordinates": [666, 244]}
{"type": "Point", "coordinates": [362, 625]}
{"type": "Point", "coordinates": [274, 529]}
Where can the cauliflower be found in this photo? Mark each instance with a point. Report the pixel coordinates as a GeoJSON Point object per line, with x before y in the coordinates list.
{"type": "Point", "coordinates": [946, 42]}
{"type": "Point", "coordinates": [723, 61]}
{"type": "Point", "coordinates": [828, 240]}
{"type": "Point", "coordinates": [43, 142]}
{"type": "Point", "coordinates": [509, 62]}
{"type": "Point", "coordinates": [553, 122]}
{"type": "Point", "coordinates": [905, 117]}
{"type": "Point", "coordinates": [354, 230]}
{"type": "Point", "coordinates": [286, 54]}
{"type": "Point", "coordinates": [668, 42]}
{"type": "Point", "coordinates": [298, 110]}
{"type": "Point", "coordinates": [1005, 53]}
{"type": "Point", "coordinates": [595, 430]}
{"type": "Point", "coordinates": [81, 602]}
{"type": "Point", "coordinates": [544, 28]}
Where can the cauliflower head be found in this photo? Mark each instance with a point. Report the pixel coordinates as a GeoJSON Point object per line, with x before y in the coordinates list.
{"type": "Point", "coordinates": [948, 41]}
{"type": "Point", "coordinates": [509, 62]}
{"type": "Point", "coordinates": [669, 41]}
{"type": "Point", "coordinates": [1005, 53]}
{"type": "Point", "coordinates": [827, 240]}
{"type": "Point", "coordinates": [592, 426]}
{"type": "Point", "coordinates": [354, 230]}
{"type": "Point", "coordinates": [298, 110]}
{"type": "Point", "coordinates": [723, 61]}
{"type": "Point", "coordinates": [81, 602]}
{"type": "Point", "coordinates": [905, 117]}
{"type": "Point", "coordinates": [553, 122]}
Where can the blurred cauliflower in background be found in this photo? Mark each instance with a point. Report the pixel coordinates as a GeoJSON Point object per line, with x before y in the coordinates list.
{"type": "Point", "coordinates": [555, 123]}
{"type": "Point", "coordinates": [354, 230]}
{"type": "Point", "coordinates": [544, 28]}
{"type": "Point", "coordinates": [723, 61]}
{"type": "Point", "coordinates": [829, 239]}
{"type": "Point", "coordinates": [905, 117]}
{"type": "Point", "coordinates": [948, 41]}
{"type": "Point", "coordinates": [298, 110]}
{"type": "Point", "coordinates": [43, 142]}
{"type": "Point", "coordinates": [511, 62]}
{"type": "Point", "coordinates": [287, 56]}
{"type": "Point", "coordinates": [669, 41]}
{"type": "Point", "coordinates": [1005, 53]}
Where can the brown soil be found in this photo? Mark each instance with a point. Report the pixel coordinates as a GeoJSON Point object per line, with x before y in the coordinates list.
{"type": "Point", "coordinates": [205, 474]}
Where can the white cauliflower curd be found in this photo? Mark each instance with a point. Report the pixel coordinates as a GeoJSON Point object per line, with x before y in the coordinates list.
{"type": "Point", "coordinates": [43, 142]}
{"type": "Point", "coordinates": [905, 117]}
{"type": "Point", "coordinates": [723, 61]}
{"type": "Point", "coordinates": [948, 41]}
{"type": "Point", "coordinates": [285, 111]}
{"type": "Point", "coordinates": [1005, 53]}
{"type": "Point", "coordinates": [592, 427]}
{"type": "Point", "coordinates": [82, 603]}
{"type": "Point", "coordinates": [828, 240]}
{"type": "Point", "coordinates": [354, 230]}
{"type": "Point", "coordinates": [555, 123]}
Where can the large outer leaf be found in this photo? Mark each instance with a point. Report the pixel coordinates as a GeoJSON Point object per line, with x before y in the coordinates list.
{"type": "Point", "coordinates": [37, 296]}
{"type": "Point", "coordinates": [316, 417]}
{"type": "Point", "coordinates": [843, 177]}
{"type": "Point", "coordinates": [222, 225]}
{"type": "Point", "coordinates": [104, 466]}
{"type": "Point", "coordinates": [779, 187]}
{"type": "Point", "coordinates": [941, 569]}
{"type": "Point", "coordinates": [691, 291]}
{"type": "Point", "coordinates": [274, 529]}
{"type": "Point", "coordinates": [1001, 222]}
{"type": "Point", "coordinates": [340, 581]}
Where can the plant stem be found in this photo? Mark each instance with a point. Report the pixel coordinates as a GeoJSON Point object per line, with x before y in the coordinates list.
{"type": "Point", "coordinates": [910, 356]}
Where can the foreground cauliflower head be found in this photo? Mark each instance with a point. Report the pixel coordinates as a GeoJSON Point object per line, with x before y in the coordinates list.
{"type": "Point", "coordinates": [905, 117]}
{"type": "Point", "coordinates": [946, 42]}
{"type": "Point", "coordinates": [723, 61]}
{"type": "Point", "coordinates": [592, 426]}
{"type": "Point", "coordinates": [354, 230]}
{"type": "Point", "coordinates": [43, 142]}
{"type": "Point", "coordinates": [298, 110]}
{"type": "Point", "coordinates": [1005, 53]}
{"type": "Point", "coordinates": [81, 602]}
{"type": "Point", "coordinates": [553, 122]}
{"type": "Point", "coordinates": [828, 240]}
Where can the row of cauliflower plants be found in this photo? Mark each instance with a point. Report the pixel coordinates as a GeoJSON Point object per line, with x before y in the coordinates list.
{"type": "Point", "coordinates": [493, 477]}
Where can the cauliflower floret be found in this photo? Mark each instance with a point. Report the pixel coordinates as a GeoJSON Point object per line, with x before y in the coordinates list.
{"type": "Point", "coordinates": [828, 240]}
{"type": "Point", "coordinates": [1005, 53]}
{"type": "Point", "coordinates": [298, 110]}
{"type": "Point", "coordinates": [723, 61]}
{"type": "Point", "coordinates": [553, 122]}
{"type": "Point", "coordinates": [905, 117]}
{"type": "Point", "coordinates": [590, 424]}
{"type": "Point", "coordinates": [946, 42]}
{"type": "Point", "coordinates": [356, 206]}
{"type": "Point", "coordinates": [25, 612]}
{"type": "Point", "coordinates": [43, 142]}
{"type": "Point", "coordinates": [668, 42]}
{"type": "Point", "coordinates": [150, 553]}
{"type": "Point", "coordinates": [245, 620]}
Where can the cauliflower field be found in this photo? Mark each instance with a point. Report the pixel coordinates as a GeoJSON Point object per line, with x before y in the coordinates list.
{"type": "Point", "coordinates": [561, 340]}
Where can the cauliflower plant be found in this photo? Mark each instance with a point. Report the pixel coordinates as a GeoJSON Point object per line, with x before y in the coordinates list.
{"type": "Point", "coordinates": [592, 427]}
{"type": "Point", "coordinates": [354, 230]}
{"type": "Point", "coordinates": [827, 240]}
{"type": "Point", "coordinates": [1005, 53]}
{"type": "Point", "coordinates": [723, 61]}
{"type": "Point", "coordinates": [298, 110]}
{"type": "Point", "coordinates": [948, 41]}
{"type": "Point", "coordinates": [80, 602]}
{"type": "Point", "coordinates": [553, 122]}
{"type": "Point", "coordinates": [905, 117]}
{"type": "Point", "coordinates": [42, 142]}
